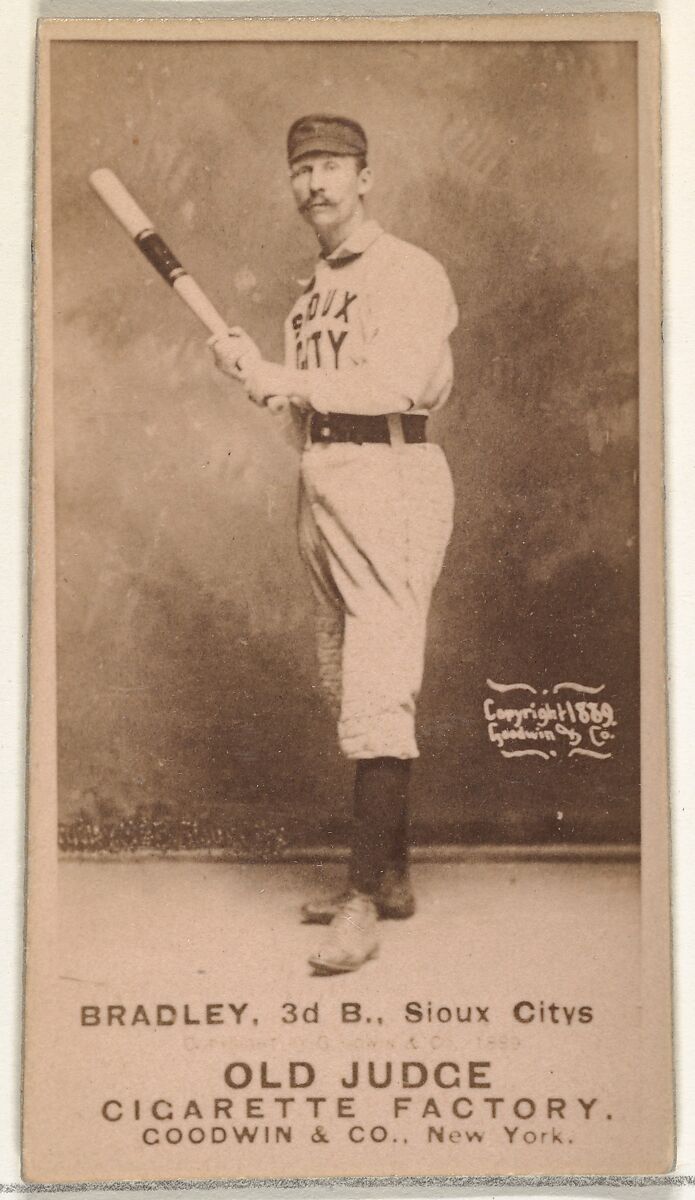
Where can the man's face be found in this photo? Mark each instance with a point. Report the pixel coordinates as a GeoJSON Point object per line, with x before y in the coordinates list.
{"type": "Point", "coordinates": [328, 188]}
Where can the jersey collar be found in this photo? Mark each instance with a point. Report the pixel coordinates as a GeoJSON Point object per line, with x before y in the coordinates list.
{"type": "Point", "coordinates": [355, 244]}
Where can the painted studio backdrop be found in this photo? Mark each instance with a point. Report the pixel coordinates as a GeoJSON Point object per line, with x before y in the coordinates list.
{"type": "Point", "coordinates": [189, 712]}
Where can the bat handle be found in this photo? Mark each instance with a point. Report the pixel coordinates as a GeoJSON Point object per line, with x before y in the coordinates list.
{"type": "Point", "coordinates": [197, 301]}
{"type": "Point", "coordinates": [206, 312]}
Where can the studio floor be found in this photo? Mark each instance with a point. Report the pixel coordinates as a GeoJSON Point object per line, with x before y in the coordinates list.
{"type": "Point", "coordinates": [569, 923]}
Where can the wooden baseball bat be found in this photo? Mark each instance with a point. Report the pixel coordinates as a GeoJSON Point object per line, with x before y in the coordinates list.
{"type": "Point", "coordinates": [121, 204]}
{"type": "Point", "coordinates": [128, 213]}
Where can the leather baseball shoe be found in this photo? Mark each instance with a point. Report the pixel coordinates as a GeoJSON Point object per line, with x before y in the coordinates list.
{"type": "Point", "coordinates": [394, 902]}
{"type": "Point", "coordinates": [351, 939]}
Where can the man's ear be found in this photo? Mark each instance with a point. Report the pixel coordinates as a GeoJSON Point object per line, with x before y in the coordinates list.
{"type": "Point", "coordinates": [365, 181]}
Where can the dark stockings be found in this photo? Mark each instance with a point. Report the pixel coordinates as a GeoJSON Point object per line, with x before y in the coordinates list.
{"type": "Point", "coordinates": [380, 821]}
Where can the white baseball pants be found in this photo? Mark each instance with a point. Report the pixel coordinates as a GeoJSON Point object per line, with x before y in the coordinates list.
{"type": "Point", "coordinates": [374, 524]}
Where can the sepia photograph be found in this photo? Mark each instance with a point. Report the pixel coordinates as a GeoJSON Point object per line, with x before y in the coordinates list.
{"type": "Point", "coordinates": [348, 824]}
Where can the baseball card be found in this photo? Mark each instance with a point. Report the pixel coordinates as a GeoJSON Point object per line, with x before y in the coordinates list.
{"type": "Point", "coordinates": [348, 815]}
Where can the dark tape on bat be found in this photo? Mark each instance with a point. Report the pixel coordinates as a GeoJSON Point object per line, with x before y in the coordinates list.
{"type": "Point", "coordinates": [159, 255]}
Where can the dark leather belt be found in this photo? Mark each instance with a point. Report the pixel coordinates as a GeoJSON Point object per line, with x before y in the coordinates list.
{"type": "Point", "coordinates": [348, 427]}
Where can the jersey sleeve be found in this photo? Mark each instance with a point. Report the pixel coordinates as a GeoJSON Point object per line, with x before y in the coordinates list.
{"type": "Point", "coordinates": [407, 346]}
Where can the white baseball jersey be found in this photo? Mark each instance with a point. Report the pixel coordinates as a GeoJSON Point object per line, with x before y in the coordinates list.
{"type": "Point", "coordinates": [371, 331]}
{"type": "Point", "coordinates": [370, 334]}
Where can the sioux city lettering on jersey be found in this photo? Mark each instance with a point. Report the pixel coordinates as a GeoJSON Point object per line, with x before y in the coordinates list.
{"type": "Point", "coordinates": [321, 328]}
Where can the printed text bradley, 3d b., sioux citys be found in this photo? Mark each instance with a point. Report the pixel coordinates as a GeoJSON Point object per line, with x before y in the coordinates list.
{"type": "Point", "coordinates": [414, 1012]}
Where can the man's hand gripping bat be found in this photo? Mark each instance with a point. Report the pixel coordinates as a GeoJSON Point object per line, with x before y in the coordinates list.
{"type": "Point", "coordinates": [123, 207]}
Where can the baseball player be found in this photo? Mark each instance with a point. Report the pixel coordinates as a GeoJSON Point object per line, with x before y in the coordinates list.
{"type": "Point", "coordinates": [367, 358]}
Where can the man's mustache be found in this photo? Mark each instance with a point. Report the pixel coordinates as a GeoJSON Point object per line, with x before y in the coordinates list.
{"type": "Point", "coordinates": [315, 200]}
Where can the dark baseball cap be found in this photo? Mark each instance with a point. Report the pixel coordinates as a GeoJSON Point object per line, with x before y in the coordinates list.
{"type": "Point", "coordinates": [332, 135]}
